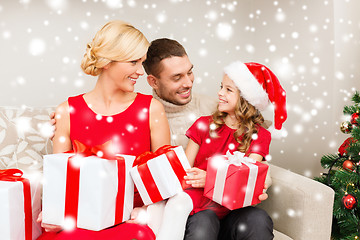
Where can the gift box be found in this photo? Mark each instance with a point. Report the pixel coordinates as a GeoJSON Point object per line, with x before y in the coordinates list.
{"type": "Point", "coordinates": [160, 175]}
{"type": "Point", "coordinates": [85, 190]}
{"type": "Point", "coordinates": [20, 203]}
{"type": "Point", "coordinates": [235, 181]}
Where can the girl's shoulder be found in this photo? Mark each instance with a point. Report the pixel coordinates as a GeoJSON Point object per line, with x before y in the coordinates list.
{"type": "Point", "coordinates": [263, 132]}
{"type": "Point", "coordinates": [204, 119]}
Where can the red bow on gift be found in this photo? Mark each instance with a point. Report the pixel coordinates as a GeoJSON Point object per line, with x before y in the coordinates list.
{"type": "Point", "coordinates": [105, 151]}
{"type": "Point", "coordinates": [146, 156]}
{"type": "Point", "coordinates": [171, 156]}
{"type": "Point", "coordinates": [15, 175]}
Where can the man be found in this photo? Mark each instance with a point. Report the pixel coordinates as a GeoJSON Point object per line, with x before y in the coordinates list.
{"type": "Point", "coordinates": [170, 74]}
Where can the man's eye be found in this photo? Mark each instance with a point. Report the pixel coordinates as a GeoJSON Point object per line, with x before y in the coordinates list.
{"type": "Point", "coordinates": [189, 73]}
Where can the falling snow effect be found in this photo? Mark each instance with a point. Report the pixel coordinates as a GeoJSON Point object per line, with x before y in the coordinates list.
{"type": "Point", "coordinates": [311, 52]}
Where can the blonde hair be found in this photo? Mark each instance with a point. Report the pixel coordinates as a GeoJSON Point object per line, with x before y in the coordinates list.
{"type": "Point", "coordinates": [249, 119]}
{"type": "Point", "coordinates": [115, 41]}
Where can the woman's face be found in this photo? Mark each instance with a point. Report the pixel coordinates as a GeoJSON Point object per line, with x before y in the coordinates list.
{"type": "Point", "coordinates": [125, 74]}
{"type": "Point", "coordinates": [228, 96]}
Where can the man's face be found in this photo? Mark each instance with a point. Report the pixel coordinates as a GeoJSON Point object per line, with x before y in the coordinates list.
{"type": "Point", "coordinates": [175, 80]}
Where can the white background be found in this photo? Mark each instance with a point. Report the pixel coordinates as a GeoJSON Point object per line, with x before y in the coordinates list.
{"type": "Point", "coordinates": [311, 45]}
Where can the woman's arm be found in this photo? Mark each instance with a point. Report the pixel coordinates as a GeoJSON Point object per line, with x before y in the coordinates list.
{"type": "Point", "coordinates": [61, 140]}
{"type": "Point", "coordinates": [61, 143]}
{"type": "Point", "coordinates": [159, 126]}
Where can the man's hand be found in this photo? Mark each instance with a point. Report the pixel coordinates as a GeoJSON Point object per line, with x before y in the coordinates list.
{"type": "Point", "coordinates": [53, 123]}
{"type": "Point", "coordinates": [196, 178]}
{"type": "Point", "coordinates": [138, 215]}
{"type": "Point", "coordinates": [48, 227]}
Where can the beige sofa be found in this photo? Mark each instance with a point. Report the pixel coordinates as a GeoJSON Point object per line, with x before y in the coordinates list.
{"type": "Point", "coordinates": [300, 207]}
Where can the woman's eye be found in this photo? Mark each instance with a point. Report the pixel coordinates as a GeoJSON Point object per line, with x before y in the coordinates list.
{"type": "Point", "coordinates": [134, 62]}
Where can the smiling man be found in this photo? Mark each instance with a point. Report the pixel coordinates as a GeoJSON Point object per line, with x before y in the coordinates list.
{"type": "Point", "coordinates": [170, 74]}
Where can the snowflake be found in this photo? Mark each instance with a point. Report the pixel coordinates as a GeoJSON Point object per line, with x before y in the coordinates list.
{"type": "Point", "coordinates": [37, 46]}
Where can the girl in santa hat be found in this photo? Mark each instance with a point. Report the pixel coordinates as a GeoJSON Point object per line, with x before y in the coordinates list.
{"type": "Point", "coordinates": [236, 125]}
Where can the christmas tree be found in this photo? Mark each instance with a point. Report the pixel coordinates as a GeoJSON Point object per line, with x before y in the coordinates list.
{"type": "Point", "coordinates": [344, 176]}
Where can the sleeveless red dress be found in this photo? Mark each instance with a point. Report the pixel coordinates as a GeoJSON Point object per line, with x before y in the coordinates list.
{"type": "Point", "coordinates": [130, 131]}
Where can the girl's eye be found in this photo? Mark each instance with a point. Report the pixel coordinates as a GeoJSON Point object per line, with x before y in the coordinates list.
{"type": "Point", "coordinates": [229, 90]}
{"type": "Point", "coordinates": [134, 62]}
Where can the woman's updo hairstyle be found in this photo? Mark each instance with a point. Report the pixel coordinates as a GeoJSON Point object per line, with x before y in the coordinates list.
{"type": "Point", "coordinates": [115, 41]}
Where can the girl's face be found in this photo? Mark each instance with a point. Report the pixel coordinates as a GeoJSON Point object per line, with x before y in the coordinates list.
{"type": "Point", "coordinates": [228, 96]}
{"type": "Point", "coordinates": [125, 74]}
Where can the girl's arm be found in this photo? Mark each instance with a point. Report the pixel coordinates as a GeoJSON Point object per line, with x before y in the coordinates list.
{"type": "Point", "coordinates": [260, 158]}
{"type": "Point", "coordinates": [256, 157]}
{"type": "Point", "coordinates": [196, 177]}
{"type": "Point", "coordinates": [159, 126]}
{"type": "Point", "coordinates": [191, 151]}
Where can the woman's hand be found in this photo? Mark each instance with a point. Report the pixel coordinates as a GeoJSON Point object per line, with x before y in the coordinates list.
{"type": "Point", "coordinates": [138, 215]}
{"type": "Point", "coordinates": [48, 227]}
{"type": "Point", "coordinates": [196, 178]}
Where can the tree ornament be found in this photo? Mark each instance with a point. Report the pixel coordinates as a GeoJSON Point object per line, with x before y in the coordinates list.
{"type": "Point", "coordinates": [349, 201]}
{"type": "Point", "coordinates": [354, 118]}
{"type": "Point", "coordinates": [348, 165]}
{"type": "Point", "coordinates": [346, 127]}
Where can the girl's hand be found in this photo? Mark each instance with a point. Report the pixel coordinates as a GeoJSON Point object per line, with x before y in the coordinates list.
{"type": "Point", "coordinates": [138, 215]}
{"type": "Point", "coordinates": [48, 227]}
{"type": "Point", "coordinates": [264, 196]}
{"type": "Point", "coordinates": [196, 178]}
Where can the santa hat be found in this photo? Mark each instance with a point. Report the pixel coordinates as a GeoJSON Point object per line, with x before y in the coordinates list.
{"type": "Point", "coordinates": [259, 86]}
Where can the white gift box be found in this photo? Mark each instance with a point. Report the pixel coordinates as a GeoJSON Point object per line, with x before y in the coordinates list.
{"type": "Point", "coordinates": [162, 175]}
{"type": "Point", "coordinates": [12, 215]}
{"type": "Point", "coordinates": [98, 188]}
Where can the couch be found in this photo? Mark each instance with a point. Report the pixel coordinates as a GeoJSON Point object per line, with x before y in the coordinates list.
{"type": "Point", "coordinates": [301, 208]}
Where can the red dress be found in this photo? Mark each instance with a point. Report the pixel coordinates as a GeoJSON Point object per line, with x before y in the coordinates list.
{"type": "Point", "coordinates": [130, 131]}
{"type": "Point", "coordinates": [210, 146]}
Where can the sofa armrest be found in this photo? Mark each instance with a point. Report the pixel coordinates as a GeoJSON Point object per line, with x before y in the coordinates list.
{"type": "Point", "coordinates": [300, 207]}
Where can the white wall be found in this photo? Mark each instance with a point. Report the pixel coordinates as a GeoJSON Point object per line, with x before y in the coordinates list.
{"type": "Point", "coordinates": [312, 46]}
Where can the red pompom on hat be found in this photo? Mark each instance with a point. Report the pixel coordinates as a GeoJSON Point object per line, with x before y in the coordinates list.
{"type": "Point", "coordinates": [259, 86]}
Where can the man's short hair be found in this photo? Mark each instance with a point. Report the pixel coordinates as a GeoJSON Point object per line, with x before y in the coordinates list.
{"type": "Point", "coordinates": [160, 49]}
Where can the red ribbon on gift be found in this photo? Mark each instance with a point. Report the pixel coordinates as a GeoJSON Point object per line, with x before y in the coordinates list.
{"type": "Point", "coordinates": [73, 177]}
{"type": "Point", "coordinates": [15, 175]}
{"type": "Point", "coordinates": [145, 173]}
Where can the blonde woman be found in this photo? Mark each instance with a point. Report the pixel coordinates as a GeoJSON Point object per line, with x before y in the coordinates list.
{"type": "Point", "coordinates": [113, 111]}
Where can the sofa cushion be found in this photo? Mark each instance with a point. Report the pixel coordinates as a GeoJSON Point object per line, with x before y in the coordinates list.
{"type": "Point", "coordinates": [24, 137]}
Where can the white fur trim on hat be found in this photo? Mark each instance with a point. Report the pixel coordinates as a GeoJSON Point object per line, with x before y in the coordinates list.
{"type": "Point", "coordinates": [248, 85]}
{"type": "Point", "coordinates": [277, 134]}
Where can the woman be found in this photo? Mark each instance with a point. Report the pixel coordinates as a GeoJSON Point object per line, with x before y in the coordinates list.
{"type": "Point", "coordinates": [134, 122]}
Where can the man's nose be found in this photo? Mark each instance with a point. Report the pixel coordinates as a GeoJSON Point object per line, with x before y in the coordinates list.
{"type": "Point", "coordinates": [188, 81]}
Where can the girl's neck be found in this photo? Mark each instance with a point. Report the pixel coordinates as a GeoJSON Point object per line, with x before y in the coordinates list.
{"type": "Point", "coordinates": [231, 121]}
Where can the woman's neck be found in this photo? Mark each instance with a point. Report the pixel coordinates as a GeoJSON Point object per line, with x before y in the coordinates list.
{"type": "Point", "coordinates": [107, 99]}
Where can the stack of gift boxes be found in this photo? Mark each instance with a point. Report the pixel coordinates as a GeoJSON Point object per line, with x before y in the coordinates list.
{"type": "Point", "coordinates": [92, 189]}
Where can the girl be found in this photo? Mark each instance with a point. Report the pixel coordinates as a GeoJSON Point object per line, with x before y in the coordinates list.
{"type": "Point", "coordinates": [134, 122]}
{"type": "Point", "coordinates": [235, 126]}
